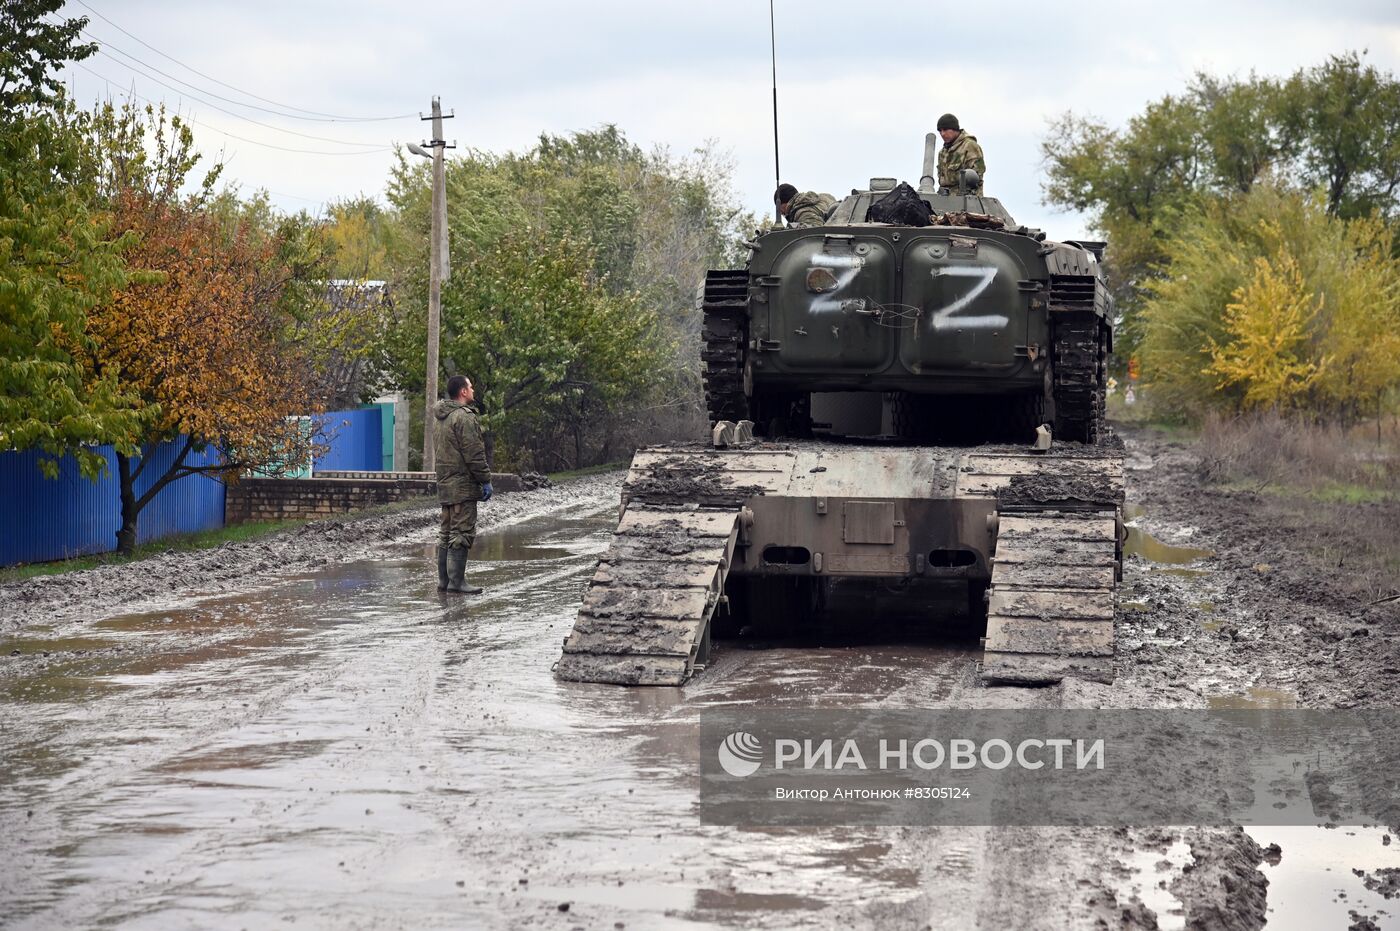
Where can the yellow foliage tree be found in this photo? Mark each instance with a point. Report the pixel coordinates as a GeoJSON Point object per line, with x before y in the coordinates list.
{"type": "Point", "coordinates": [1270, 301]}
{"type": "Point", "coordinates": [1362, 336]}
{"type": "Point", "coordinates": [1268, 326]}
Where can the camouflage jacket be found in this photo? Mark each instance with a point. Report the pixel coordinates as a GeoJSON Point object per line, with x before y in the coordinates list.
{"type": "Point", "coordinates": [810, 209]}
{"type": "Point", "coordinates": [962, 152]}
{"type": "Point", "coordinates": [459, 453]}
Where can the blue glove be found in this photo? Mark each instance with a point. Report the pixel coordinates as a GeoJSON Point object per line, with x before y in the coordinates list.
{"type": "Point", "coordinates": [487, 491]}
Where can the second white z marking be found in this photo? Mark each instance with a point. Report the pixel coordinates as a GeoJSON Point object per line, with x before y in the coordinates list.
{"type": "Point", "coordinates": [943, 318]}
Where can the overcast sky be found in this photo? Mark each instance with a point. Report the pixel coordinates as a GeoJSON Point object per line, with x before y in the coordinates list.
{"type": "Point", "coordinates": [859, 84]}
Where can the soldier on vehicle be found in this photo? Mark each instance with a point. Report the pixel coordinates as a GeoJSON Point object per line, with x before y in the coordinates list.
{"type": "Point", "coordinates": [463, 479]}
{"type": "Point", "coordinates": [960, 150]}
{"type": "Point", "coordinates": [806, 209]}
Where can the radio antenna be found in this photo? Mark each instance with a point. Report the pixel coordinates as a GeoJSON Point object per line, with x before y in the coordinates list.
{"type": "Point", "coordinates": [773, 43]}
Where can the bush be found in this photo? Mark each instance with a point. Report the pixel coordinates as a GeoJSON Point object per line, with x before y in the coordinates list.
{"type": "Point", "coordinates": [1269, 302]}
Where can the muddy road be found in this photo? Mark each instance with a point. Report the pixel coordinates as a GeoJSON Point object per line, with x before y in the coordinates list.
{"type": "Point", "coordinates": [301, 731]}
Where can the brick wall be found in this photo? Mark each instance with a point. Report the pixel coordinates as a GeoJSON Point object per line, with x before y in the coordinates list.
{"type": "Point", "coordinates": [332, 493]}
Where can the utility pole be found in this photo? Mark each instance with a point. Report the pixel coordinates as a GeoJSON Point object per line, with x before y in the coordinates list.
{"type": "Point", "coordinates": [436, 273]}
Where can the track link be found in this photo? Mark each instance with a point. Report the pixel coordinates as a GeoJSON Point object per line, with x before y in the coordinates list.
{"type": "Point", "coordinates": [1079, 357]}
{"type": "Point", "coordinates": [1053, 597]}
{"type": "Point", "coordinates": [724, 304]}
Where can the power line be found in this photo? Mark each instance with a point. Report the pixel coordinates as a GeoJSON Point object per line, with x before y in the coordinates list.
{"type": "Point", "coordinates": [248, 119]}
{"type": "Point", "coordinates": [106, 48]}
{"type": "Point", "coordinates": [269, 145]}
{"type": "Point", "coordinates": [317, 117]}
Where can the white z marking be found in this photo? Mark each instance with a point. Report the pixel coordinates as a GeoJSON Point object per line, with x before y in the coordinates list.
{"type": "Point", "coordinates": [848, 267]}
{"type": "Point", "coordinates": [942, 318]}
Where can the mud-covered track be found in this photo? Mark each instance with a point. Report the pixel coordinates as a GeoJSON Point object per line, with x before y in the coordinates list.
{"type": "Point", "coordinates": [1053, 596]}
{"type": "Point", "coordinates": [646, 616]}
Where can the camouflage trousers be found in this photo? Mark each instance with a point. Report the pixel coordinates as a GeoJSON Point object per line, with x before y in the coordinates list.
{"type": "Point", "coordinates": [458, 527]}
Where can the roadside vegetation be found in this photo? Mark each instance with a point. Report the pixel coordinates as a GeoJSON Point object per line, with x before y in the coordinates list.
{"type": "Point", "coordinates": [572, 295]}
{"type": "Point", "coordinates": [1259, 192]}
{"type": "Point", "coordinates": [149, 301]}
{"type": "Point", "coordinates": [1251, 224]}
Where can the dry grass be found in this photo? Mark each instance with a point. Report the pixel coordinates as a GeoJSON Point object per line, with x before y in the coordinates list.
{"type": "Point", "coordinates": [1267, 452]}
{"type": "Point", "coordinates": [1330, 492]}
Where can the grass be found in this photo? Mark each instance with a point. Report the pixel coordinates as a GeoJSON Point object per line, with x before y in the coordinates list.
{"type": "Point", "coordinates": [1349, 493]}
{"type": "Point", "coordinates": [590, 470]}
{"type": "Point", "coordinates": [1327, 463]}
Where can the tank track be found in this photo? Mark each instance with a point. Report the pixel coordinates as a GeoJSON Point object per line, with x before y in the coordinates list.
{"type": "Point", "coordinates": [1079, 358]}
{"type": "Point", "coordinates": [1055, 571]}
{"type": "Point", "coordinates": [646, 616]}
{"type": "Point", "coordinates": [1053, 597]}
{"type": "Point", "coordinates": [645, 619]}
{"type": "Point", "coordinates": [724, 304]}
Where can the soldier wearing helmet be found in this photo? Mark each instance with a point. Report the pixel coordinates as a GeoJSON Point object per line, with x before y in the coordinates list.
{"type": "Point", "coordinates": [960, 150]}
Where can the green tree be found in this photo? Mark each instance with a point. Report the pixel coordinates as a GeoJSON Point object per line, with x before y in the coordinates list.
{"type": "Point", "coordinates": [1330, 128]}
{"type": "Point", "coordinates": [650, 224]}
{"type": "Point", "coordinates": [58, 257]}
{"type": "Point", "coordinates": [544, 341]}
{"type": "Point", "coordinates": [32, 48]}
{"type": "Point", "coordinates": [1342, 121]}
{"type": "Point", "coordinates": [1132, 183]}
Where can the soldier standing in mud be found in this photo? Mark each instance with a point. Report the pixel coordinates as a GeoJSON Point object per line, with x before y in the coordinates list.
{"type": "Point", "coordinates": [463, 479]}
{"type": "Point", "coordinates": [960, 150]}
{"type": "Point", "coordinates": [806, 209]}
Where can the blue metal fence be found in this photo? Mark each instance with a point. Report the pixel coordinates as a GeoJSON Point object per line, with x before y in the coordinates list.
{"type": "Point", "coordinates": [45, 519]}
{"type": "Point", "coordinates": [356, 441]}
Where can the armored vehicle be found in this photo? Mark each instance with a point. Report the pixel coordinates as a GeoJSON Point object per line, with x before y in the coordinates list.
{"type": "Point", "coordinates": [874, 386]}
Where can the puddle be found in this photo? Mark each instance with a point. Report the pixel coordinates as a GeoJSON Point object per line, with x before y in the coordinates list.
{"type": "Point", "coordinates": [1255, 697]}
{"type": "Point", "coordinates": [527, 544]}
{"type": "Point", "coordinates": [1210, 616]}
{"type": "Point", "coordinates": [1152, 872]}
{"type": "Point", "coordinates": [1313, 886]}
{"type": "Point", "coordinates": [1141, 543]}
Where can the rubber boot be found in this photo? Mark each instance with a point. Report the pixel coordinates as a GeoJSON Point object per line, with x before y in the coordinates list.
{"type": "Point", "coordinates": [442, 568]}
{"type": "Point", "coordinates": [456, 570]}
